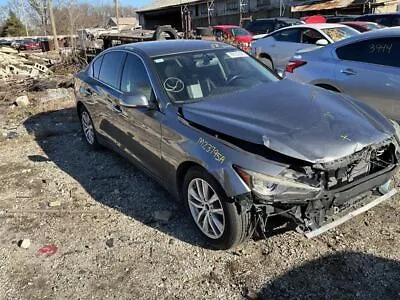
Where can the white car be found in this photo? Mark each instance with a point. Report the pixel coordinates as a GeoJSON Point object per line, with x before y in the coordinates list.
{"type": "Point", "coordinates": [276, 49]}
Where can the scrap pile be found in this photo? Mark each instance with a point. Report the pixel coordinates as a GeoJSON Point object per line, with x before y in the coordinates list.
{"type": "Point", "coordinates": [14, 65]}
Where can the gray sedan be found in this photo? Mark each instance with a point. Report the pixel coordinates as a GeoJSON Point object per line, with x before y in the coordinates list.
{"type": "Point", "coordinates": [366, 67]}
{"type": "Point", "coordinates": [233, 142]}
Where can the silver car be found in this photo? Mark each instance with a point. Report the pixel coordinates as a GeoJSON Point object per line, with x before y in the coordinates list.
{"type": "Point", "coordinates": [366, 67]}
{"type": "Point", "coordinates": [277, 48]}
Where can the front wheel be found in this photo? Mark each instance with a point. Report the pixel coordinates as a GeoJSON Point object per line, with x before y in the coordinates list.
{"type": "Point", "coordinates": [216, 217]}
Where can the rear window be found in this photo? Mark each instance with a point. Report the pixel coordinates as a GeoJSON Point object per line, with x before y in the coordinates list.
{"type": "Point", "coordinates": [261, 25]}
{"type": "Point", "coordinates": [382, 51]}
{"type": "Point", "coordinates": [110, 68]}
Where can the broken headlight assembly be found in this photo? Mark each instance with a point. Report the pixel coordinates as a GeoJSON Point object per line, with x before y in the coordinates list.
{"type": "Point", "coordinates": [285, 187]}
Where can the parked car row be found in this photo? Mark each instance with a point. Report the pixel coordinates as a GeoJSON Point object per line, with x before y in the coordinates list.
{"type": "Point", "coordinates": [366, 66]}
{"type": "Point", "coordinates": [238, 144]}
{"type": "Point", "coordinates": [24, 44]}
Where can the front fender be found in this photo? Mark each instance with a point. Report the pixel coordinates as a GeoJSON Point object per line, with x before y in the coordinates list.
{"type": "Point", "coordinates": [183, 143]}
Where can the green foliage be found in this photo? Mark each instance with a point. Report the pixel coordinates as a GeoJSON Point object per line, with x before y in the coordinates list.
{"type": "Point", "coordinates": [13, 26]}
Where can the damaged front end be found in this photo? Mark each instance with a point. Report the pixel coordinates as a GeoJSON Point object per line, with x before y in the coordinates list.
{"type": "Point", "coordinates": [321, 196]}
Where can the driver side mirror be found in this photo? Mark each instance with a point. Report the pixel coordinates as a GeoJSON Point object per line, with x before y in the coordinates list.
{"type": "Point", "coordinates": [321, 42]}
{"type": "Point", "coordinates": [134, 100]}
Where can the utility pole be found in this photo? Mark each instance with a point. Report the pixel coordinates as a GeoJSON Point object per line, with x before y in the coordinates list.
{"type": "Point", "coordinates": [53, 24]}
{"type": "Point", "coordinates": [117, 14]}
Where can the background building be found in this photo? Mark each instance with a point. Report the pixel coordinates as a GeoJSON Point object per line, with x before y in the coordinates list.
{"type": "Point", "coordinates": [205, 13]}
{"type": "Point", "coordinates": [124, 23]}
{"type": "Point", "coordinates": [343, 7]}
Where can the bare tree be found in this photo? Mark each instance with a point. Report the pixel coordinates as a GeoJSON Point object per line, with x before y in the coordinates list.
{"type": "Point", "coordinates": [53, 25]}
{"type": "Point", "coordinates": [40, 7]}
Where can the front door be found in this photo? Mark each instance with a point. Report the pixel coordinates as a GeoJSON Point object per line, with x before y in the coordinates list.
{"type": "Point", "coordinates": [139, 128]}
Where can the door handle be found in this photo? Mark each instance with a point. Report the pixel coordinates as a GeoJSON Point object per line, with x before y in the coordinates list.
{"type": "Point", "coordinates": [348, 72]}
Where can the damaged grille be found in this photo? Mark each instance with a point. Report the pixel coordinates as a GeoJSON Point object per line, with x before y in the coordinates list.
{"type": "Point", "coordinates": [364, 163]}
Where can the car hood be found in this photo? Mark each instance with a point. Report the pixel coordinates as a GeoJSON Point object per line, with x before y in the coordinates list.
{"type": "Point", "coordinates": [298, 120]}
{"type": "Point", "coordinates": [244, 38]}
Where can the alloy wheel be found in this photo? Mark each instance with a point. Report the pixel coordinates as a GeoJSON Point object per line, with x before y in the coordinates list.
{"type": "Point", "coordinates": [87, 127]}
{"type": "Point", "coordinates": [206, 208]}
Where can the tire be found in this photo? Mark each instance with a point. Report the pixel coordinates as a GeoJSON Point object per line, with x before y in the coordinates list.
{"type": "Point", "coordinates": [169, 31]}
{"type": "Point", "coordinates": [87, 125]}
{"type": "Point", "coordinates": [226, 227]}
{"type": "Point", "coordinates": [267, 62]}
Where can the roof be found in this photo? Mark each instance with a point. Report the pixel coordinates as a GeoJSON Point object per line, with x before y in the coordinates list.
{"type": "Point", "coordinates": [160, 48]}
{"type": "Point", "coordinates": [125, 21]}
{"type": "Point", "coordinates": [158, 4]}
{"type": "Point", "coordinates": [277, 18]}
{"type": "Point", "coordinates": [323, 5]}
{"type": "Point", "coordinates": [317, 26]}
{"type": "Point", "coordinates": [381, 14]}
{"type": "Point", "coordinates": [385, 32]}
{"type": "Point", "coordinates": [226, 26]}
{"type": "Point", "coordinates": [356, 22]}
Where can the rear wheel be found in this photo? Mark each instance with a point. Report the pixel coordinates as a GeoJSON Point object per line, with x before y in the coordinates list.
{"type": "Point", "coordinates": [216, 217]}
{"type": "Point", "coordinates": [267, 62]}
{"type": "Point", "coordinates": [88, 129]}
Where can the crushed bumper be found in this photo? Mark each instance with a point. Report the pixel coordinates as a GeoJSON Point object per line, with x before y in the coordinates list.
{"type": "Point", "coordinates": [350, 215]}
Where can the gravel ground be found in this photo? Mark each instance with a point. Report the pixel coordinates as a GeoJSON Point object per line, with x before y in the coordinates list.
{"type": "Point", "coordinates": [119, 235]}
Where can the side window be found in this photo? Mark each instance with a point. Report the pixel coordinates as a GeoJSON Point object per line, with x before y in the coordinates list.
{"type": "Point", "coordinates": [96, 67]}
{"type": "Point", "coordinates": [135, 78]}
{"type": "Point", "coordinates": [396, 21]}
{"type": "Point", "coordinates": [382, 51]}
{"type": "Point", "coordinates": [110, 68]}
{"type": "Point", "coordinates": [383, 20]}
{"type": "Point", "coordinates": [280, 25]}
{"type": "Point", "coordinates": [288, 35]}
{"type": "Point", "coordinates": [267, 26]}
{"type": "Point", "coordinates": [310, 36]}
{"type": "Point", "coordinates": [261, 26]}
{"type": "Point", "coordinates": [218, 33]}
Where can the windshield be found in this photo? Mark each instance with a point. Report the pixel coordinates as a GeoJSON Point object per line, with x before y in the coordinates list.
{"type": "Point", "coordinates": [373, 26]}
{"type": "Point", "coordinates": [193, 76]}
{"type": "Point", "coordinates": [239, 32]}
{"type": "Point", "coordinates": [340, 33]}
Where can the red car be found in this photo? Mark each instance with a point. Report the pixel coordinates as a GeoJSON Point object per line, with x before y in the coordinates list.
{"type": "Point", "coordinates": [240, 35]}
{"type": "Point", "coordinates": [29, 44]}
{"type": "Point", "coordinates": [362, 26]}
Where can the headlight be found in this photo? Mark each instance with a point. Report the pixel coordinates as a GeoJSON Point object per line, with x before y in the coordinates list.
{"type": "Point", "coordinates": [396, 127]}
{"type": "Point", "coordinates": [285, 186]}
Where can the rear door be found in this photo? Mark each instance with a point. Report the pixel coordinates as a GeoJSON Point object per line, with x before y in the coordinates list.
{"type": "Point", "coordinates": [285, 44]}
{"type": "Point", "coordinates": [370, 70]}
{"type": "Point", "coordinates": [108, 93]}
